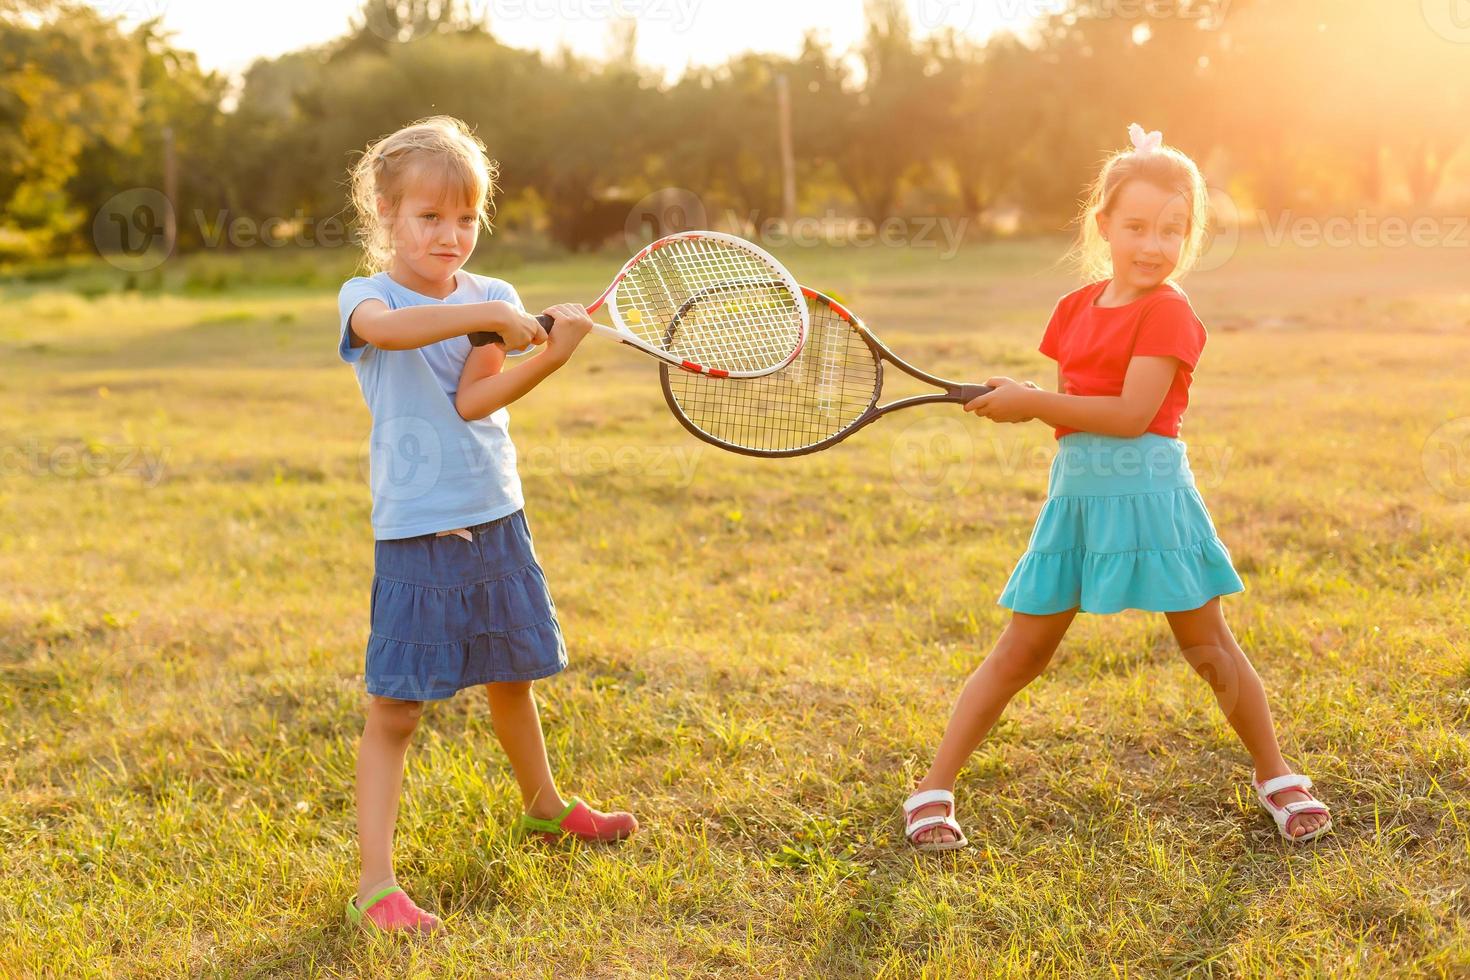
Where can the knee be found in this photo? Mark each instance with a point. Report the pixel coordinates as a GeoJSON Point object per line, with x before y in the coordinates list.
{"type": "Point", "coordinates": [1215, 659]}
{"type": "Point", "coordinates": [1203, 637]}
{"type": "Point", "coordinates": [395, 718]}
{"type": "Point", "coordinates": [508, 690]}
{"type": "Point", "coordinates": [1021, 661]}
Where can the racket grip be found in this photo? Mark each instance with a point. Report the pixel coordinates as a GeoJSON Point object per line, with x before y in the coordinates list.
{"type": "Point", "coordinates": [479, 338]}
{"type": "Point", "coordinates": [968, 393]}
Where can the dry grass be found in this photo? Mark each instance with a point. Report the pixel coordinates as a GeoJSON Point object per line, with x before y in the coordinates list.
{"type": "Point", "coordinates": [763, 654]}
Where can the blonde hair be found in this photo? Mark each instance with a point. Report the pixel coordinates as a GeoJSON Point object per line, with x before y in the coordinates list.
{"type": "Point", "coordinates": [439, 147]}
{"type": "Point", "coordinates": [1166, 168]}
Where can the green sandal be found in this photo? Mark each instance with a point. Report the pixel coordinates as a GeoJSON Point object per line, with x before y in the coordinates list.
{"type": "Point", "coordinates": [580, 821]}
{"type": "Point", "coordinates": [391, 910]}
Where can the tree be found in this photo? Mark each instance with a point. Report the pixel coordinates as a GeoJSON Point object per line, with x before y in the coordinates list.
{"type": "Point", "coordinates": [68, 78]}
{"type": "Point", "coordinates": [990, 97]}
{"type": "Point", "coordinates": [384, 24]}
{"type": "Point", "coordinates": [718, 134]}
{"type": "Point", "coordinates": [873, 131]}
{"type": "Point", "coordinates": [175, 95]}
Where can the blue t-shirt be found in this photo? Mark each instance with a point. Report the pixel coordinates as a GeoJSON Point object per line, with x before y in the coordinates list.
{"type": "Point", "coordinates": [431, 470]}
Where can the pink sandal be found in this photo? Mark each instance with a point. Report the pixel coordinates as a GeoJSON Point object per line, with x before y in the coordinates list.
{"type": "Point", "coordinates": [1284, 815]}
{"type": "Point", "coordinates": [913, 827]}
{"type": "Point", "coordinates": [581, 821]}
{"type": "Point", "coordinates": [391, 910]}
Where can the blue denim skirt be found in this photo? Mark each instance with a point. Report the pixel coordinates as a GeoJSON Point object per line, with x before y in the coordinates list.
{"type": "Point", "coordinates": [449, 613]}
{"type": "Point", "coordinates": [1123, 527]}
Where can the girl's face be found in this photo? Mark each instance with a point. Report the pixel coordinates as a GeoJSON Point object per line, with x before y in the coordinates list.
{"type": "Point", "coordinates": [434, 232]}
{"type": "Point", "coordinates": [1145, 229]}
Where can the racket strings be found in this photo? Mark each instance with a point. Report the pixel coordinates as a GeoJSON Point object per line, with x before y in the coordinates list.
{"type": "Point", "coordinates": [738, 330]}
{"type": "Point", "coordinates": [705, 267]}
{"type": "Point", "coordinates": [754, 326]}
{"type": "Point", "coordinates": [826, 390]}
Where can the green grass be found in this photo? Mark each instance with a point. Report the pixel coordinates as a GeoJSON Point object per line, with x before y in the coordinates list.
{"type": "Point", "coordinates": [185, 556]}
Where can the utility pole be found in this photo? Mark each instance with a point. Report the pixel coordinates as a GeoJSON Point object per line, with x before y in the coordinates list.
{"type": "Point", "coordinates": [788, 161]}
{"type": "Point", "coordinates": [170, 191]}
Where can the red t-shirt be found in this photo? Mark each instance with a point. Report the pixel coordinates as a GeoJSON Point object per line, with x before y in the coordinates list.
{"type": "Point", "coordinates": [1093, 344]}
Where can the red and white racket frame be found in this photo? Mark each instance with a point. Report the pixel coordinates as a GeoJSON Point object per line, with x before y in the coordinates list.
{"type": "Point", "coordinates": [621, 332]}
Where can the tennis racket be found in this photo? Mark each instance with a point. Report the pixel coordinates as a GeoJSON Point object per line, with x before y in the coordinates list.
{"type": "Point", "coordinates": [826, 394]}
{"type": "Point", "coordinates": [752, 322]}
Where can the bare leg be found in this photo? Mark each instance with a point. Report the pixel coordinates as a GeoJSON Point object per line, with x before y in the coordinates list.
{"type": "Point", "coordinates": [380, 753]}
{"type": "Point", "coordinates": [1019, 657]}
{"type": "Point", "coordinates": [518, 727]}
{"type": "Point", "coordinates": [1211, 650]}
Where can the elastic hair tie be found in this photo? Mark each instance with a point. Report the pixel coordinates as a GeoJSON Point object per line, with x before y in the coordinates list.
{"type": "Point", "coordinates": [1144, 143]}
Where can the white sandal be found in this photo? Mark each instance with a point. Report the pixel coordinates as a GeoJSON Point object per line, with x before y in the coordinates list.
{"type": "Point", "coordinates": [912, 827]}
{"type": "Point", "coordinates": [1284, 815]}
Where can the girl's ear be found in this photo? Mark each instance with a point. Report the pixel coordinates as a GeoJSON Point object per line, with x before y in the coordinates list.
{"type": "Point", "coordinates": [1102, 225]}
{"type": "Point", "coordinates": [385, 210]}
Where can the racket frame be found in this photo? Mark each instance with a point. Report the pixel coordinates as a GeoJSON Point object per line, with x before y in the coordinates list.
{"type": "Point", "coordinates": [953, 392]}
{"type": "Point", "coordinates": [623, 334]}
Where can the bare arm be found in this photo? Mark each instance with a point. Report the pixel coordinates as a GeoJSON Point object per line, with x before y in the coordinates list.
{"type": "Point", "coordinates": [418, 326]}
{"type": "Point", "coordinates": [1126, 415]}
{"type": "Point", "coordinates": [484, 387]}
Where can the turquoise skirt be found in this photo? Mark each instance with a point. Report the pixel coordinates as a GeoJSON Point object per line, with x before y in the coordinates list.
{"type": "Point", "coordinates": [1123, 527]}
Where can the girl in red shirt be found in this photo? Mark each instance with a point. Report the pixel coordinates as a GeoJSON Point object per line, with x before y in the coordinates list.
{"type": "Point", "coordinates": [1123, 526]}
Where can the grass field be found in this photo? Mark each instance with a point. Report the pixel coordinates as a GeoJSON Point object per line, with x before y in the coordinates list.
{"type": "Point", "coordinates": [763, 653]}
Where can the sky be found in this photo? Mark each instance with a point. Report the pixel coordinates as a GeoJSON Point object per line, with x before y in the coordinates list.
{"type": "Point", "coordinates": [672, 34]}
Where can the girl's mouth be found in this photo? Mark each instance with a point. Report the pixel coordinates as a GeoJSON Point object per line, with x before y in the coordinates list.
{"type": "Point", "coordinates": [1148, 267]}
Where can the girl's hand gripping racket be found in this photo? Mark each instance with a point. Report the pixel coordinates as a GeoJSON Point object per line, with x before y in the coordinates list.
{"type": "Point", "coordinates": [752, 322]}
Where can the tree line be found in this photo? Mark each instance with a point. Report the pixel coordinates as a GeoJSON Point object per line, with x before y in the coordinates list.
{"type": "Point", "coordinates": [1314, 105]}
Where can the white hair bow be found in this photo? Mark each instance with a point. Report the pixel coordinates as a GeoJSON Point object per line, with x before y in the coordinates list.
{"type": "Point", "coordinates": [1144, 142]}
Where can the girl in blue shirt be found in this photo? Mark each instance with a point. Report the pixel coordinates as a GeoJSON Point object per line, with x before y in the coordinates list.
{"type": "Point", "coordinates": [458, 597]}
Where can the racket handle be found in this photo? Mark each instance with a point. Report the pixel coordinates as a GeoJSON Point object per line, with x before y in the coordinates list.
{"type": "Point", "coordinates": [965, 394]}
{"type": "Point", "coordinates": [480, 338]}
